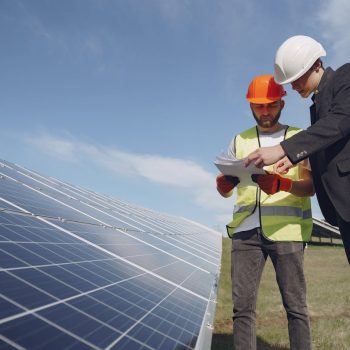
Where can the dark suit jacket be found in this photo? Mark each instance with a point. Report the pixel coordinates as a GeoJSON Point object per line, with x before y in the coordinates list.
{"type": "Point", "coordinates": [327, 143]}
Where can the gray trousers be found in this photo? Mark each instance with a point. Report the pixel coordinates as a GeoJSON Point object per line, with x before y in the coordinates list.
{"type": "Point", "coordinates": [249, 253]}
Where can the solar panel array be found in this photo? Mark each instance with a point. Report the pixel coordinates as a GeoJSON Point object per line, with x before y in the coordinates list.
{"type": "Point", "coordinates": [322, 229]}
{"type": "Point", "coordinates": [80, 270]}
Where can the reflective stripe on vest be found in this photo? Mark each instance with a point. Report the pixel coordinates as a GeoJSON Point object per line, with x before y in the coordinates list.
{"type": "Point", "coordinates": [286, 211]}
{"type": "Point", "coordinates": [277, 210]}
{"type": "Point", "coordinates": [283, 216]}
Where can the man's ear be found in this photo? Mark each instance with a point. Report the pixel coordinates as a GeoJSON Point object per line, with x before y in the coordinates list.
{"type": "Point", "coordinates": [317, 65]}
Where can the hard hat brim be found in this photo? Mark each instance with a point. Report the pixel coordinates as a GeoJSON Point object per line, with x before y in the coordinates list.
{"type": "Point", "coordinates": [263, 100]}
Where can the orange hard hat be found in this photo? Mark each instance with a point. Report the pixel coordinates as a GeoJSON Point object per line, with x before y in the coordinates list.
{"type": "Point", "coordinates": [264, 89]}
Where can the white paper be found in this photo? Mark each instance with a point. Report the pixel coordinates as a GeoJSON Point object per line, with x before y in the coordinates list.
{"type": "Point", "coordinates": [229, 165]}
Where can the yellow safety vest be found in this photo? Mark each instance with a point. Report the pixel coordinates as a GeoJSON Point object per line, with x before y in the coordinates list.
{"type": "Point", "coordinates": [283, 216]}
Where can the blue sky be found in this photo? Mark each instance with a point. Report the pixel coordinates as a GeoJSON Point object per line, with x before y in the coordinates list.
{"type": "Point", "coordinates": [135, 98]}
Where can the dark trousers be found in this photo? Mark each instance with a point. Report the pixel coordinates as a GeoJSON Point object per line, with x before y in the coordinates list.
{"type": "Point", "coordinates": [249, 254]}
{"type": "Point", "coordinates": [344, 228]}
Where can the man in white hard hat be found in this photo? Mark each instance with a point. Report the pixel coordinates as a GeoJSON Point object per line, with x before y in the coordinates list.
{"type": "Point", "coordinates": [327, 141]}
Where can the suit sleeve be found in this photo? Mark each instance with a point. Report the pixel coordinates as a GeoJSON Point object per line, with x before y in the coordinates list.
{"type": "Point", "coordinates": [334, 126]}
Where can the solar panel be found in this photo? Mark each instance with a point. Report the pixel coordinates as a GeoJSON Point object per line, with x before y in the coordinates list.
{"type": "Point", "coordinates": [81, 270]}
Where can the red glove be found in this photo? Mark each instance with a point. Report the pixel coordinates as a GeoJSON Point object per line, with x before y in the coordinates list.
{"type": "Point", "coordinates": [225, 184]}
{"type": "Point", "coordinates": [273, 183]}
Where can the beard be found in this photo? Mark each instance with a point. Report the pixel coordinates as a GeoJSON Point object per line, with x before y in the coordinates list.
{"type": "Point", "coordinates": [267, 123]}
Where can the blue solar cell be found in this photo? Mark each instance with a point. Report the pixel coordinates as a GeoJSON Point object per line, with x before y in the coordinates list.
{"type": "Point", "coordinates": [45, 283]}
{"type": "Point", "coordinates": [7, 260]}
{"type": "Point", "coordinates": [118, 303]}
{"type": "Point", "coordinates": [154, 339]}
{"type": "Point", "coordinates": [84, 272]}
{"type": "Point", "coordinates": [30, 332]}
{"type": "Point", "coordinates": [30, 230]}
{"type": "Point", "coordinates": [8, 309]}
{"type": "Point", "coordinates": [26, 254]}
{"type": "Point", "coordinates": [106, 313]}
{"type": "Point", "coordinates": [63, 274]}
{"type": "Point", "coordinates": [200, 282]}
{"type": "Point", "coordinates": [22, 293]}
{"type": "Point", "coordinates": [126, 344]}
{"type": "Point", "coordinates": [80, 324]}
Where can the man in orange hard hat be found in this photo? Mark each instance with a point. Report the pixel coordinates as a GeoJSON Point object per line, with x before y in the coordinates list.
{"type": "Point", "coordinates": [327, 140]}
{"type": "Point", "coordinates": [272, 219]}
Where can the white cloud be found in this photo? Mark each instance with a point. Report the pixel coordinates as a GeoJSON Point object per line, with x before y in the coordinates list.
{"type": "Point", "coordinates": [181, 173]}
{"type": "Point", "coordinates": [61, 148]}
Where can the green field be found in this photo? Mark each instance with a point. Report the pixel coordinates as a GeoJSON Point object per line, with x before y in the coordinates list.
{"type": "Point", "coordinates": [328, 281]}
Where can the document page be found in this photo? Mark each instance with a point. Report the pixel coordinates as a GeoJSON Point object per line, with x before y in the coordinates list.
{"type": "Point", "coordinates": [229, 165]}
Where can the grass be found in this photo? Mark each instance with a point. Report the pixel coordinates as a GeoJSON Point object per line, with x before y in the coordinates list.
{"type": "Point", "coordinates": [328, 282]}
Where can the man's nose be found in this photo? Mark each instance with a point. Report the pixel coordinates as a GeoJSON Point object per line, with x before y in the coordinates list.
{"type": "Point", "coordinates": [265, 109]}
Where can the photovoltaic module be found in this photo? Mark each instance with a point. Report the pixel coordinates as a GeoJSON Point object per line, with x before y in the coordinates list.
{"type": "Point", "coordinates": [80, 270]}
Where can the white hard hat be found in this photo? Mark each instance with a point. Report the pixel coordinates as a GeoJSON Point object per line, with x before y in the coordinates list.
{"type": "Point", "coordinates": [295, 57]}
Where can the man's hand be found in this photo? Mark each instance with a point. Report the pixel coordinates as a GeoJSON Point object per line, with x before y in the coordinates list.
{"type": "Point", "coordinates": [265, 156]}
{"type": "Point", "coordinates": [283, 165]}
{"type": "Point", "coordinates": [273, 183]}
{"type": "Point", "coordinates": [225, 184]}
